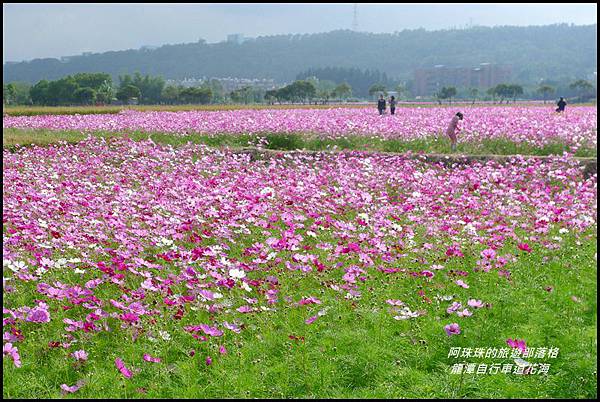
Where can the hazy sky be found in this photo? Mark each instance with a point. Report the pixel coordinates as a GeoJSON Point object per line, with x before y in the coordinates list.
{"type": "Point", "coordinates": [53, 30]}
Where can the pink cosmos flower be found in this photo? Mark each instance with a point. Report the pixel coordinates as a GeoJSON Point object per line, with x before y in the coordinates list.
{"type": "Point", "coordinates": [488, 254]}
{"type": "Point", "coordinates": [121, 366]}
{"type": "Point", "coordinates": [455, 306]}
{"type": "Point", "coordinates": [452, 329]}
{"type": "Point", "coordinates": [80, 355]}
{"type": "Point", "coordinates": [13, 352]}
{"type": "Point", "coordinates": [312, 319]}
{"type": "Point", "coordinates": [232, 327]}
{"type": "Point", "coordinates": [464, 313]}
{"type": "Point", "coordinates": [38, 315]}
{"type": "Point", "coordinates": [206, 294]}
{"type": "Point", "coordinates": [222, 350]}
{"type": "Point", "coordinates": [151, 359]}
{"type": "Point", "coordinates": [69, 390]}
{"type": "Point", "coordinates": [212, 331]}
{"type": "Point", "coordinates": [208, 360]}
{"type": "Point", "coordinates": [462, 284]}
{"type": "Point", "coordinates": [309, 300]}
{"type": "Point", "coordinates": [475, 303]}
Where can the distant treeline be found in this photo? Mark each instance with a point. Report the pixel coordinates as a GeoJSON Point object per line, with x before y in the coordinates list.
{"type": "Point", "coordinates": [319, 86]}
{"type": "Point", "coordinates": [558, 52]}
{"type": "Point", "coordinates": [360, 81]}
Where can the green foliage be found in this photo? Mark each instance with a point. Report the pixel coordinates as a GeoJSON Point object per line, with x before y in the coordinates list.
{"type": "Point", "coordinates": [85, 96]}
{"type": "Point", "coordinates": [506, 91]}
{"type": "Point", "coordinates": [196, 95]}
{"type": "Point", "coordinates": [9, 93]}
{"type": "Point", "coordinates": [105, 92]}
{"type": "Point", "coordinates": [546, 90]}
{"type": "Point", "coordinates": [585, 89]}
{"type": "Point", "coordinates": [298, 91]}
{"type": "Point", "coordinates": [377, 89]}
{"type": "Point", "coordinates": [446, 93]}
{"type": "Point", "coordinates": [150, 88]}
{"type": "Point", "coordinates": [70, 90]}
{"type": "Point", "coordinates": [242, 95]}
{"type": "Point", "coordinates": [127, 92]}
{"type": "Point", "coordinates": [343, 91]}
{"type": "Point", "coordinates": [360, 81]}
{"type": "Point", "coordinates": [170, 94]}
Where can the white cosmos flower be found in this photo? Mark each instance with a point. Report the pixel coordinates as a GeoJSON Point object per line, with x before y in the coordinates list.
{"type": "Point", "coordinates": [237, 273]}
{"type": "Point", "coordinates": [246, 287]}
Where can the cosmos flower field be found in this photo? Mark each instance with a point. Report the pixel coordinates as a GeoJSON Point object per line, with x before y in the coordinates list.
{"type": "Point", "coordinates": [535, 125]}
{"type": "Point", "coordinates": [135, 269]}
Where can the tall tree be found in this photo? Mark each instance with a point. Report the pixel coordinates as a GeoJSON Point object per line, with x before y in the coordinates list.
{"type": "Point", "coordinates": [545, 90]}
{"type": "Point", "coordinates": [583, 88]}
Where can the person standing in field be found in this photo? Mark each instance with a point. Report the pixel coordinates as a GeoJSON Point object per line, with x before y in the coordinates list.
{"type": "Point", "coordinates": [561, 105]}
{"type": "Point", "coordinates": [453, 129]}
{"type": "Point", "coordinates": [392, 105]}
{"type": "Point", "coordinates": [381, 105]}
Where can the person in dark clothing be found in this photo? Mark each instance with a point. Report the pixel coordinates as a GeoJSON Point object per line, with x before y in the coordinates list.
{"type": "Point", "coordinates": [381, 105]}
{"type": "Point", "coordinates": [392, 105]}
{"type": "Point", "coordinates": [561, 105]}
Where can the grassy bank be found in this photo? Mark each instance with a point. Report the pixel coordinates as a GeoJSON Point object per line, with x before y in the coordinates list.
{"type": "Point", "coordinates": [12, 138]}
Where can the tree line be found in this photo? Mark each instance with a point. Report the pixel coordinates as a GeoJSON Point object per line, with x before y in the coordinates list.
{"type": "Point", "coordinates": [584, 92]}
{"type": "Point", "coordinates": [98, 88]}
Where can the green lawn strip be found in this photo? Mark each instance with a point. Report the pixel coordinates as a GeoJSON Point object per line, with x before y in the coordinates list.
{"type": "Point", "coordinates": [13, 138]}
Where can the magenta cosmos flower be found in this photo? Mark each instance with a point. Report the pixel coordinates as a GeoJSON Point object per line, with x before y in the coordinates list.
{"type": "Point", "coordinates": [517, 344]}
{"type": "Point", "coordinates": [121, 366]}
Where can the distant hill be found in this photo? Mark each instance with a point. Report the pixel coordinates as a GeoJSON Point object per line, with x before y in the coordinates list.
{"type": "Point", "coordinates": [533, 52]}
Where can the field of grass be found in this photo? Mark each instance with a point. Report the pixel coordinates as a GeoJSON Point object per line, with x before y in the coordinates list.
{"type": "Point", "coordinates": [356, 350]}
{"type": "Point", "coordinates": [12, 138]}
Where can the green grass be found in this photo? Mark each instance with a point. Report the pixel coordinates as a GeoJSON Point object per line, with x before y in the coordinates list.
{"type": "Point", "coordinates": [356, 350]}
{"type": "Point", "coordinates": [308, 141]}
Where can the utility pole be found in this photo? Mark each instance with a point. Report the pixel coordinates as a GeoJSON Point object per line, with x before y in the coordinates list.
{"type": "Point", "coordinates": [355, 19]}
